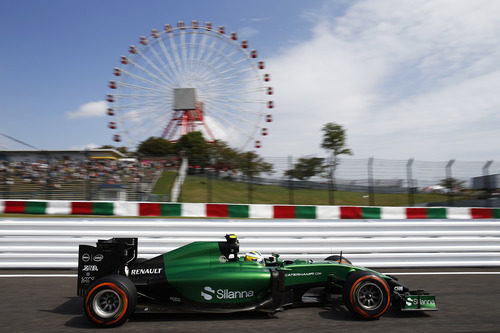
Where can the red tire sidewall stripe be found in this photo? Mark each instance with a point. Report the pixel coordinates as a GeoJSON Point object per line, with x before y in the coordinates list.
{"type": "Point", "coordinates": [357, 308]}
{"type": "Point", "coordinates": [115, 288]}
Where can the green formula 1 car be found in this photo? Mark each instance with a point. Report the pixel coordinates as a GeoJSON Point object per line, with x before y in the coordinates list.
{"type": "Point", "coordinates": [211, 277]}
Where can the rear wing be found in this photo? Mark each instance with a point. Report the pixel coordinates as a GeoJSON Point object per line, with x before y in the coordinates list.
{"type": "Point", "coordinates": [109, 256]}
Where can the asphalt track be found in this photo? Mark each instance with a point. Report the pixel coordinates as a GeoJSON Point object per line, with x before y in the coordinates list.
{"type": "Point", "coordinates": [467, 303]}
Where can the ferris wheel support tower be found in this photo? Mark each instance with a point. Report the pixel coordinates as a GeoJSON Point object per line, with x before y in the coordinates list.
{"type": "Point", "coordinates": [188, 115]}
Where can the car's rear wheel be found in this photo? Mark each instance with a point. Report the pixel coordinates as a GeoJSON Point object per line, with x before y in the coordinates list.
{"type": "Point", "coordinates": [338, 259]}
{"type": "Point", "coordinates": [110, 300]}
{"type": "Point", "coordinates": [366, 294]}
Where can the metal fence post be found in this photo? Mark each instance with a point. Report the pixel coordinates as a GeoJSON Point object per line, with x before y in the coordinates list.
{"type": "Point", "coordinates": [290, 182]}
{"type": "Point", "coordinates": [331, 187]}
{"type": "Point", "coordinates": [411, 186]}
{"type": "Point", "coordinates": [208, 174]}
{"type": "Point", "coordinates": [249, 179]}
{"type": "Point", "coordinates": [371, 192]}
{"type": "Point", "coordinates": [448, 177]}
{"type": "Point", "coordinates": [5, 186]}
{"type": "Point", "coordinates": [487, 182]}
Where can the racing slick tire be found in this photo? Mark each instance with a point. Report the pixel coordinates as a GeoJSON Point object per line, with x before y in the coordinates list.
{"type": "Point", "coordinates": [110, 301]}
{"type": "Point", "coordinates": [337, 259]}
{"type": "Point", "coordinates": [366, 295]}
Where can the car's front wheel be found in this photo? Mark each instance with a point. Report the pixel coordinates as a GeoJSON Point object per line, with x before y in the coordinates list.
{"type": "Point", "coordinates": [366, 294]}
{"type": "Point", "coordinates": [110, 300]}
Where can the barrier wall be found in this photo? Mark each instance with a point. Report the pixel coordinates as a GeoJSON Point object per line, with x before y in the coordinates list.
{"type": "Point", "coordinates": [53, 243]}
{"type": "Point", "coordinates": [127, 208]}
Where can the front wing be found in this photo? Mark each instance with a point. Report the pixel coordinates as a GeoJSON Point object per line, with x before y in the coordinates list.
{"type": "Point", "coordinates": [418, 303]}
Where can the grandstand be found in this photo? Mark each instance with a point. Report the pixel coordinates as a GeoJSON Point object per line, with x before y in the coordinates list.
{"type": "Point", "coordinates": [96, 174]}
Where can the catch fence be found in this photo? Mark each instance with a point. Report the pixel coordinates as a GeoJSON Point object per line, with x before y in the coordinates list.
{"type": "Point", "coordinates": [372, 182]}
{"type": "Point", "coordinates": [361, 182]}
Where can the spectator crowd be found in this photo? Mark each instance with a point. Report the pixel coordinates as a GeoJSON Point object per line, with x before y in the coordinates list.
{"type": "Point", "coordinates": [54, 172]}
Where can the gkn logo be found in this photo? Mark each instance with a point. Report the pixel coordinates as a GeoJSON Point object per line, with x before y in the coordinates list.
{"type": "Point", "coordinates": [208, 293]}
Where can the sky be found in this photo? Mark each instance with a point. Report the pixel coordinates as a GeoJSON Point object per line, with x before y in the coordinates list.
{"type": "Point", "coordinates": [406, 79]}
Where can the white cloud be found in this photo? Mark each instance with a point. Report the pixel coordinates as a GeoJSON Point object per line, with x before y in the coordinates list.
{"type": "Point", "coordinates": [247, 32]}
{"type": "Point", "coordinates": [89, 110]}
{"type": "Point", "coordinates": [257, 19]}
{"type": "Point", "coordinates": [261, 19]}
{"type": "Point", "coordinates": [405, 78]}
{"type": "Point", "coordinates": [86, 146]}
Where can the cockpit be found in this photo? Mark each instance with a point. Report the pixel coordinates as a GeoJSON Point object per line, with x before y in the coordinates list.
{"type": "Point", "coordinates": [231, 247]}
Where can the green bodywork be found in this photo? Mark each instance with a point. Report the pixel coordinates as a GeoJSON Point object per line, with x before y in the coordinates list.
{"type": "Point", "coordinates": [318, 272]}
{"type": "Point", "coordinates": [200, 273]}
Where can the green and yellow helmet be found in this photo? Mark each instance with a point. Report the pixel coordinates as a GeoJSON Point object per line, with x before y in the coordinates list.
{"type": "Point", "coordinates": [254, 256]}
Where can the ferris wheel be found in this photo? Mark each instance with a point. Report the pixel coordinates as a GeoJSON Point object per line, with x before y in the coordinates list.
{"type": "Point", "coordinates": [190, 78]}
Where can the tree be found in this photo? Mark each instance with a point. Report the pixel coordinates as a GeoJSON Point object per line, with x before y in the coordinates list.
{"type": "Point", "coordinates": [194, 146]}
{"type": "Point", "coordinates": [306, 168]}
{"type": "Point", "coordinates": [334, 141]}
{"type": "Point", "coordinates": [251, 164]}
{"type": "Point", "coordinates": [452, 184]}
{"type": "Point", "coordinates": [156, 146]}
{"type": "Point", "coordinates": [223, 157]}
{"type": "Point", "coordinates": [124, 150]}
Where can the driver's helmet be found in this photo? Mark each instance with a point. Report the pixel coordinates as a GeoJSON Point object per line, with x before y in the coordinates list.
{"type": "Point", "coordinates": [254, 256]}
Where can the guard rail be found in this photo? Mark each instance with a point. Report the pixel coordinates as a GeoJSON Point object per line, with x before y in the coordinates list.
{"type": "Point", "coordinates": [53, 243]}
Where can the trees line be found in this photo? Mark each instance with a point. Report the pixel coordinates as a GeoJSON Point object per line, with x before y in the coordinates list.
{"type": "Point", "coordinates": [219, 155]}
